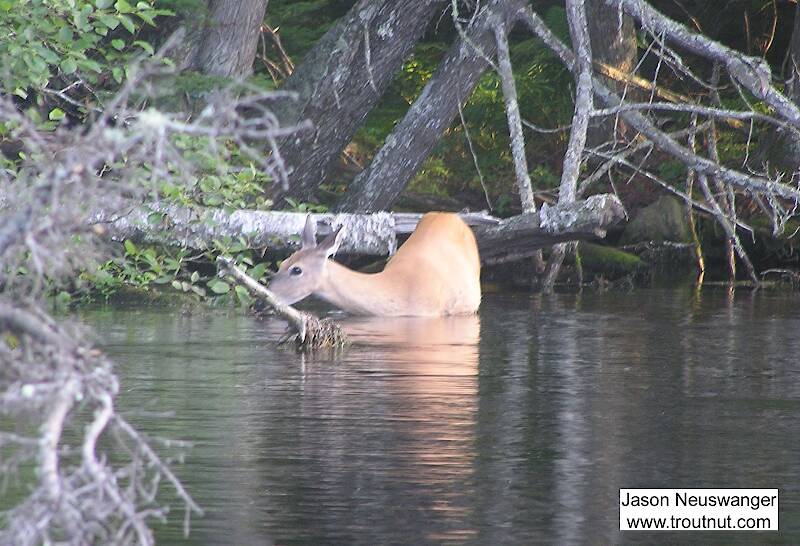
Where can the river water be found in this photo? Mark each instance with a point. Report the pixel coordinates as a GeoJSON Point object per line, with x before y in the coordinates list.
{"type": "Point", "coordinates": [516, 426]}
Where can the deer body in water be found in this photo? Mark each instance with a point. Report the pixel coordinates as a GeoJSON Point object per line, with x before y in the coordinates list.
{"type": "Point", "coordinates": [436, 272]}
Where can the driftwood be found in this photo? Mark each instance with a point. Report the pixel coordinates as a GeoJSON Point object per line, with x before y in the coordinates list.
{"type": "Point", "coordinates": [366, 234]}
{"type": "Point", "coordinates": [311, 331]}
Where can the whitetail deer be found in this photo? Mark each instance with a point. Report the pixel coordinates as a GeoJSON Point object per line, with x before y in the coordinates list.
{"type": "Point", "coordinates": [436, 272]}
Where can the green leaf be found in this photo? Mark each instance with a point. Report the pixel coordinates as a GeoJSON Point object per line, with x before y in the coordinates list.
{"type": "Point", "coordinates": [65, 34]}
{"type": "Point", "coordinates": [103, 4]}
{"type": "Point", "coordinates": [109, 20]}
{"type": "Point", "coordinates": [195, 276]}
{"type": "Point", "coordinates": [46, 54]}
{"type": "Point", "coordinates": [258, 271]}
{"type": "Point", "coordinates": [68, 66]}
{"type": "Point", "coordinates": [123, 7]}
{"type": "Point", "coordinates": [176, 285]}
{"type": "Point", "coordinates": [219, 287]}
{"type": "Point", "coordinates": [127, 22]}
{"type": "Point", "coordinates": [213, 200]}
{"type": "Point", "coordinates": [147, 17]}
{"type": "Point", "coordinates": [118, 44]}
{"type": "Point", "coordinates": [118, 73]}
{"type": "Point", "coordinates": [56, 114]}
{"type": "Point", "coordinates": [242, 294]}
{"type": "Point", "coordinates": [88, 64]}
{"type": "Point", "coordinates": [130, 248]}
{"type": "Point", "coordinates": [144, 45]}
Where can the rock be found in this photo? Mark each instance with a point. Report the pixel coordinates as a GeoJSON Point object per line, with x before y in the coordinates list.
{"type": "Point", "coordinates": [662, 221]}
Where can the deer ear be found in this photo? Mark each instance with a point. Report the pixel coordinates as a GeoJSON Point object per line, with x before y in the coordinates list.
{"type": "Point", "coordinates": [332, 242]}
{"type": "Point", "coordinates": [309, 238]}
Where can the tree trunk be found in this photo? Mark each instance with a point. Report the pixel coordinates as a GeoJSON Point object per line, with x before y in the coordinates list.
{"type": "Point", "coordinates": [230, 38]}
{"type": "Point", "coordinates": [222, 40]}
{"type": "Point", "coordinates": [782, 149]}
{"type": "Point", "coordinates": [412, 141]}
{"type": "Point", "coordinates": [793, 84]}
{"type": "Point", "coordinates": [584, 105]}
{"type": "Point", "coordinates": [341, 80]}
{"type": "Point", "coordinates": [613, 41]}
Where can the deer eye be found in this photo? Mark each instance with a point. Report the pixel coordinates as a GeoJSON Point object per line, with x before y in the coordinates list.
{"type": "Point", "coordinates": [295, 270]}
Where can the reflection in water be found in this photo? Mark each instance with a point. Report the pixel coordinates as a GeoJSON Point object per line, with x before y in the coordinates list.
{"type": "Point", "coordinates": [515, 428]}
{"type": "Point", "coordinates": [395, 419]}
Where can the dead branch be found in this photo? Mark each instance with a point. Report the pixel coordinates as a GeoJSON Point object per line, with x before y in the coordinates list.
{"type": "Point", "coordinates": [78, 498]}
{"type": "Point", "coordinates": [514, 120]}
{"type": "Point", "coordinates": [584, 104]}
{"type": "Point", "coordinates": [521, 236]}
{"type": "Point", "coordinates": [750, 183]}
{"type": "Point", "coordinates": [752, 72]}
{"type": "Point", "coordinates": [49, 376]}
{"type": "Point", "coordinates": [311, 331]}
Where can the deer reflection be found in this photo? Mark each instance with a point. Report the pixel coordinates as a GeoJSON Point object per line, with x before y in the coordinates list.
{"type": "Point", "coordinates": [441, 346]}
{"type": "Point", "coordinates": [393, 426]}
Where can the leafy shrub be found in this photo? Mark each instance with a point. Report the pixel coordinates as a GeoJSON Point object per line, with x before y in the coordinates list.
{"type": "Point", "coordinates": [50, 46]}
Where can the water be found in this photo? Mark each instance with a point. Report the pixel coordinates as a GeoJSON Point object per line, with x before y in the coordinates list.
{"type": "Point", "coordinates": [518, 426]}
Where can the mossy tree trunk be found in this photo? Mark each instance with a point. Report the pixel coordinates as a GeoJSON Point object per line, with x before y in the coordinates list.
{"type": "Point", "coordinates": [341, 80]}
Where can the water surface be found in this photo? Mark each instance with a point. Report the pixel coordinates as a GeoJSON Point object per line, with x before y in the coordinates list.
{"type": "Point", "coordinates": [517, 426]}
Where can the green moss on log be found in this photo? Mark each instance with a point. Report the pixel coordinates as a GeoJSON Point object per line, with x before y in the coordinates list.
{"type": "Point", "coordinates": [608, 261]}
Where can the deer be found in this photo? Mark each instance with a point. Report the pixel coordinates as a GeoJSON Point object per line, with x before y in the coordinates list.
{"type": "Point", "coordinates": [436, 272]}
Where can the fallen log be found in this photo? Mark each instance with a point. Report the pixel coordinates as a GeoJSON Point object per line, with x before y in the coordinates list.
{"type": "Point", "coordinates": [365, 234]}
{"type": "Point", "coordinates": [521, 236]}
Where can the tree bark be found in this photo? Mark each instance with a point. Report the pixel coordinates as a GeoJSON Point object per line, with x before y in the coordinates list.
{"type": "Point", "coordinates": [522, 236]}
{"type": "Point", "coordinates": [220, 40]}
{"type": "Point", "coordinates": [366, 234]}
{"type": "Point", "coordinates": [230, 38]}
{"type": "Point", "coordinates": [341, 80]}
{"type": "Point", "coordinates": [613, 41]}
{"type": "Point", "coordinates": [793, 83]}
{"type": "Point", "coordinates": [782, 148]}
{"type": "Point", "coordinates": [412, 141]}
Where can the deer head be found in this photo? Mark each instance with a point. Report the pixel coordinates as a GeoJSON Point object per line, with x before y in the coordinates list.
{"type": "Point", "coordinates": [304, 272]}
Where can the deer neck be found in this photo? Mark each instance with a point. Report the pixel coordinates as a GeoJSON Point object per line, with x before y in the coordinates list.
{"type": "Point", "coordinates": [358, 293]}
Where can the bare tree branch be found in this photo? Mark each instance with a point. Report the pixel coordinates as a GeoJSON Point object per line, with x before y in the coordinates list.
{"type": "Point", "coordinates": [582, 68]}
{"type": "Point", "coordinates": [514, 122]}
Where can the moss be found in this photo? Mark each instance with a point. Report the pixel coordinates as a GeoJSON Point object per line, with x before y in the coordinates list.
{"type": "Point", "coordinates": [610, 262]}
